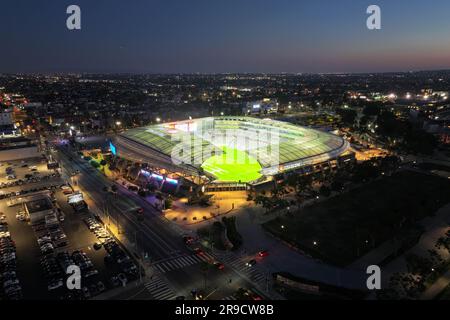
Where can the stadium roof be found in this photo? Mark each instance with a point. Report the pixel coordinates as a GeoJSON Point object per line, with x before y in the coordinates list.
{"type": "Point", "coordinates": [276, 145]}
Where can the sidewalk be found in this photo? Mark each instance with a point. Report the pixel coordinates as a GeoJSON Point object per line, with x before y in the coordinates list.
{"type": "Point", "coordinates": [283, 258]}
{"type": "Point", "coordinates": [435, 227]}
{"type": "Point", "coordinates": [433, 291]}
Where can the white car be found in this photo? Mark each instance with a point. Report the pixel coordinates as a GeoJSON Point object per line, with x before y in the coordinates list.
{"type": "Point", "coordinates": [5, 234]}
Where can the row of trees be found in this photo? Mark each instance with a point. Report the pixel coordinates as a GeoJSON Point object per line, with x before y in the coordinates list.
{"type": "Point", "coordinates": [420, 270]}
{"type": "Point", "coordinates": [397, 133]}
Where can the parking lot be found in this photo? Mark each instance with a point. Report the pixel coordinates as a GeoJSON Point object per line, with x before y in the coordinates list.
{"type": "Point", "coordinates": [22, 169]}
{"type": "Point", "coordinates": [69, 237]}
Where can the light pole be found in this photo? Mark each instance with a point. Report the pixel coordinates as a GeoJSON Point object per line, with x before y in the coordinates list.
{"type": "Point", "coordinates": [139, 256]}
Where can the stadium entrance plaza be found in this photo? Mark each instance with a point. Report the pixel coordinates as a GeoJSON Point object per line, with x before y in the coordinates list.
{"type": "Point", "coordinates": [223, 204]}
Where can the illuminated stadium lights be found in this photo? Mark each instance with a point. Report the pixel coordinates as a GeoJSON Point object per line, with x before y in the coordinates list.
{"type": "Point", "coordinates": [229, 149]}
{"type": "Point", "coordinates": [157, 176]}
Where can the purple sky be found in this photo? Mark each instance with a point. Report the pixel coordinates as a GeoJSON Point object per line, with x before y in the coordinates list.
{"type": "Point", "coordinates": [171, 36]}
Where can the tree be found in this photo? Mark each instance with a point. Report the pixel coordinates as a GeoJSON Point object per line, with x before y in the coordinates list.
{"type": "Point", "coordinates": [417, 264]}
{"type": "Point", "coordinates": [363, 122]}
{"type": "Point", "coordinates": [95, 164]}
{"type": "Point", "coordinates": [389, 126]}
{"type": "Point", "coordinates": [420, 142]}
{"type": "Point", "coordinates": [372, 110]}
{"type": "Point", "coordinates": [325, 191]}
{"type": "Point", "coordinates": [443, 242]}
{"type": "Point", "coordinates": [168, 203]}
{"type": "Point", "coordinates": [337, 186]}
{"type": "Point", "coordinates": [348, 116]}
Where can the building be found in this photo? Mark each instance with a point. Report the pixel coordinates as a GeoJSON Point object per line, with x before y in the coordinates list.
{"type": "Point", "coordinates": [6, 117]}
{"type": "Point", "coordinates": [17, 148]}
{"type": "Point", "coordinates": [231, 149]}
{"type": "Point", "coordinates": [39, 208]}
{"type": "Point", "coordinates": [7, 126]}
{"type": "Point", "coordinates": [265, 106]}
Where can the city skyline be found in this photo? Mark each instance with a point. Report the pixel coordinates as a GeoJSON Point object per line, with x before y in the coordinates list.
{"type": "Point", "coordinates": [202, 37]}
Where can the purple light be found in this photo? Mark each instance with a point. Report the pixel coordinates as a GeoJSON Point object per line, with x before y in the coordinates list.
{"type": "Point", "coordinates": [157, 176]}
{"type": "Point", "coordinates": [145, 173]}
{"type": "Point", "coordinates": [173, 181]}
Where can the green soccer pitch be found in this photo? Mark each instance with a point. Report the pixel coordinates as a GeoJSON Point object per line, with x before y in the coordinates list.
{"type": "Point", "coordinates": [233, 165]}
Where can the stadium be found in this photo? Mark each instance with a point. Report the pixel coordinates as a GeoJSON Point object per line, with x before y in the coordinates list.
{"type": "Point", "coordinates": [229, 149]}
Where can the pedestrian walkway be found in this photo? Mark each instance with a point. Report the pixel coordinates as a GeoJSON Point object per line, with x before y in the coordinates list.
{"type": "Point", "coordinates": [252, 273]}
{"type": "Point", "coordinates": [182, 262]}
{"type": "Point", "coordinates": [160, 289]}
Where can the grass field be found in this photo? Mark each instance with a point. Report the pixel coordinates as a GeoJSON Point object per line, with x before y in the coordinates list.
{"type": "Point", "coordinates": [347, 226]}
{"type": "Point", "coordinates": [233, 165]}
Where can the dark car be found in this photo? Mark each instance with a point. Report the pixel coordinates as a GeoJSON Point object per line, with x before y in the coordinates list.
{"type": "Point", "coordinates": [198, 251]}
{"type": "Point", "coordinates": [263, 253]}
{"type": "Point", "coordinates": [251, 263]}
{"type": "Point", "coordinates": [188, 239]}
{"type": "Point", "coordinates": [219, 265]}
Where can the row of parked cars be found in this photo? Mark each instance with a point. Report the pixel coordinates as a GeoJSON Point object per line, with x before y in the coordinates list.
{"type": "Point", "coordinates": [55, 267]}
{"type": "Point", "coordinates": [29, 178]}
{"type": "Point", "coordinates": [10, 285]}
{"type": "Point", "coordinates": [24, 192]}
{"type": "Point", "coordinates": [115, 253]}
{"type": "Point", "coordinates": [50, 237]}
{"type": "Point", "coordinates": [52, 272]}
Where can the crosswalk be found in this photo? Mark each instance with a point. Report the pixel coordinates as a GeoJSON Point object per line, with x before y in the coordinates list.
{"type": "Point", "coordinates": [159, 289]}
{"type": "Point", "coordinates": [229, 298]}
{"type": "Point", "coordinates": [182, 262]}
{"type": "Point", "coordinates": [253, 273]}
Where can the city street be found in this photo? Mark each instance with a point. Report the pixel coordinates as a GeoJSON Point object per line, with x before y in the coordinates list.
{"type": "Point", "coordinates": [171, 262]}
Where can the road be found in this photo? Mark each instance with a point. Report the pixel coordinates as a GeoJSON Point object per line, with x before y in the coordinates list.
{"type": "Point", "coordinates": [175, 267]}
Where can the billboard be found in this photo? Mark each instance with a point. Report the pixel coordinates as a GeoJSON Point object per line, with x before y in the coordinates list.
{"type": "Point", "coordinates": [113, 148]}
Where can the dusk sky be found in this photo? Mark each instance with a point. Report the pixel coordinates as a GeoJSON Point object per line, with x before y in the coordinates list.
{"type": "Point", "coordinates": [209, 36]}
